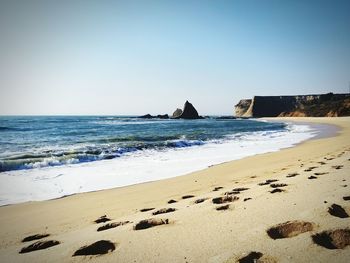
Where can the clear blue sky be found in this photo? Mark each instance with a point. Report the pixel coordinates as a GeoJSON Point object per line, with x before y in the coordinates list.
{"type": "Point", "coordinates": [137, 57]}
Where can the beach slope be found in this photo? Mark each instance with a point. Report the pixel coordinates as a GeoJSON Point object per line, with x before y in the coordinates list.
{"type": "Point", "coordinates": [286, 206]}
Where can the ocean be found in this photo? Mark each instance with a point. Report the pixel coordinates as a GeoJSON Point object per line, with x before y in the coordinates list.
{"type": "Point", "coordinates": [45, 157]}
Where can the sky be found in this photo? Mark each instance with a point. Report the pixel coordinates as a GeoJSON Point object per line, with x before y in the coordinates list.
{"type": "Point", "coordinates": [137, 57]}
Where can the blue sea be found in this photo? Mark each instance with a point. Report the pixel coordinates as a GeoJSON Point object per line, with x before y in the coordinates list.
{"type": "Point", "coordinates": [45, 157]}
{"type": "Point", "coordinates": [32, 142]}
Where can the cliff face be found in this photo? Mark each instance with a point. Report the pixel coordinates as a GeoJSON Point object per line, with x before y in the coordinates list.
{"type": "Point", "coordinates": [242, 108]}
{"type": "Point", "coordinates": [321, 105]}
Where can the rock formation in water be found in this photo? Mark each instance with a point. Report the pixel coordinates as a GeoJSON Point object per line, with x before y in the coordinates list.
{"type": "Point", "coordinates": [177, 113]}
{"type": "Point", "coordinates": [146, 116]}
{"type": "Point", "coordinates": [189, 112]}
{"type": "Point", "coordinates": [164, 116]}
{"type": "Point", "coordinates": [159, 116]}
{"type": "Point", "coordinates": [322, 105]}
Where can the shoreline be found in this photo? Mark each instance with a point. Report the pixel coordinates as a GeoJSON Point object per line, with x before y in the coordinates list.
{"type": "Point", "coordinates": [70, 219]}
{"type": "Point", "coordinates": [54, 182]}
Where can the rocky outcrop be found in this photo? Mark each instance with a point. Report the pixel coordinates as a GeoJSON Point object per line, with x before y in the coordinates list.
{"type": "Point", "coordinates": [159, 116]}
{"type": "Point", "coordinates": [189, 112]}
{"type": "Point", "coordinates": [146, 116]}
{"type": "Point", "coordinates": [177, 113]}
{"type": "Point", "coordinates": [164, 116]}
{"type": "Point", "coordinates": [320, 105]}
{"type": "Point", "coordinates": [241, 109]}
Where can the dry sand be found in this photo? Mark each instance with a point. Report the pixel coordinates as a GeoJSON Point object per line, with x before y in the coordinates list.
{"type": "Point", "coordinates": [198, 232]}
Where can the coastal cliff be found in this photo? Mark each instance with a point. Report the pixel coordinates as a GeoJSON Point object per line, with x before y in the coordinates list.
{"type": "Point", "coordinates": [320, 105]}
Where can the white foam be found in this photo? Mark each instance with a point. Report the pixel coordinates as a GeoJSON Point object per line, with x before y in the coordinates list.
{"type": "Point", "coordinates": [143, 166]}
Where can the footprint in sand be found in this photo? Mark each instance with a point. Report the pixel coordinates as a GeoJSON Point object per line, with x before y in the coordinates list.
{"type": "Point", "coordinates": [251, 257]}
{"type": "Point", "coordinates": [34, 237]}
{"type": "Point", "coordinates": [322, 173]}
{"type": "Point", "coordinates": [146, 209]}
{"type": "Point", "coordinates": [289, 229]}
{"type": "Point", "coordinates": [111, 225]}
{"type": "Point", "coordinates": [277, 190]}
{"type": "Point", "coordinates": [223, 207]}
{"type": "Point", "coordinates": [269, 181]}
{"type": "Point", "coordinates": [39, 245]}
{"type": "Point", "coordinates": [164, 211]}
{"type": "Point", "coordinates": [337, 167]}
{"type": "Point", "coordinates": [187, 196]}
{"type": "Point", "coordinates": [148, 223]}
{"type": "Point", "coordinates": [278, 185]}
{"type": "Point", "coordinates": [200, 200]}
{"type": "Point", "coordinates": [102, 219]}
{"type": "Point", "coordinates": [310, 169]}
{"type": "Point", "coordinates": [338, 211]}
{"type": "Point", "coordinates": [292, 175]}
{"type": "Point", "coordinates": [256, 257]}
{"type": "Point", "coordinates": [333, 239]}
{"type": "Point", "coordinates": [224, 199]}
{"type": "Point", "coordinates": [232, 193]}
{"type": "Point", "coordinates": [240, 189]}
{"type": "Point", "coordinates": [236, 191]}
{"type": "Point", "coordinates": [100, 247]}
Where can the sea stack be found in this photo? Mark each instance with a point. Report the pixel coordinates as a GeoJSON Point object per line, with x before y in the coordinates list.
{"type": "Point", "coordinates": [189, 112]}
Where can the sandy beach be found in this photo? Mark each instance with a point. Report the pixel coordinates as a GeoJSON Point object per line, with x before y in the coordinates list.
{"type": "Point", "coordinates": [287, 206]}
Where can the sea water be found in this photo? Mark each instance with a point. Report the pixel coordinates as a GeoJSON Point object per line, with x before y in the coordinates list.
{"type": "Point", "coordinates": [45, 157]}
